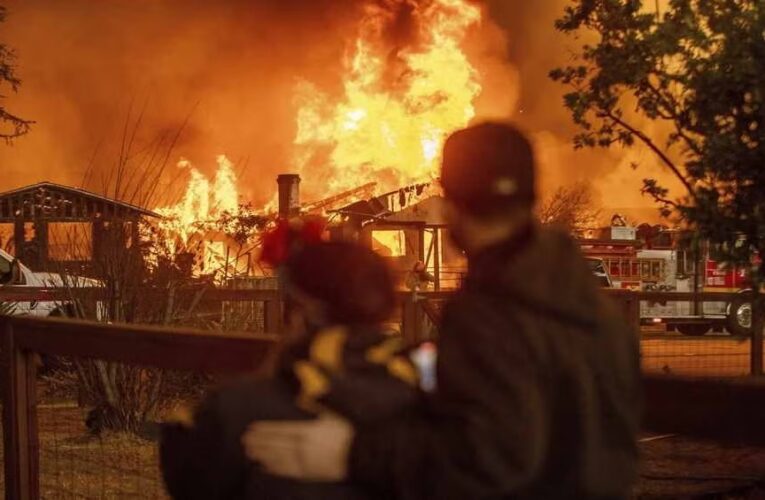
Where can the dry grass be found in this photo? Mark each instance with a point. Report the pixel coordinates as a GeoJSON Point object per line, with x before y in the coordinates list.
{"type": "Point", "coordinates": [75, 464]}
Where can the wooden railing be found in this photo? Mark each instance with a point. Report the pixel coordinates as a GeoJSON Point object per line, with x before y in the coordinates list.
{"type": "Point", "coordinates": [411, 304]}
{"type": "Point", "coordinates": [272, 299]}
{"type": "Point", "coordinates": [24, 337]}
{"type": "Point", "coordinates": [723, 410]}
{"type": "Point", "coordinates": [728, 411]}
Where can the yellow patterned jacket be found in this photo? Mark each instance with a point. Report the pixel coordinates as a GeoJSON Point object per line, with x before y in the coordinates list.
{"type": "Point", "coordinates": [359, 373]}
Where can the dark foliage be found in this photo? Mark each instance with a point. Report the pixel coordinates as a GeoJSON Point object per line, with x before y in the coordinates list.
{"type": "Point", "coordinates": [698, 68]}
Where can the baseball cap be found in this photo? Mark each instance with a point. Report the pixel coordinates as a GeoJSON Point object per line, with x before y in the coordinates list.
{"type": "Point", "coordinates": [488, 168]}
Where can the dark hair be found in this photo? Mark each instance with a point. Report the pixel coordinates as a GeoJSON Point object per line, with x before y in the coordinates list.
{"type": "Point", "coordinates": [353, 282]}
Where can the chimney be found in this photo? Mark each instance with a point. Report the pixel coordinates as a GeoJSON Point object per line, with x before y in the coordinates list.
{"type": "Point", "coordinates": [289, 195]}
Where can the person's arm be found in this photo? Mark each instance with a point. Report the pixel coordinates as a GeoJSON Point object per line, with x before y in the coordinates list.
{"type": "Point", "coordinates": [487, 431]}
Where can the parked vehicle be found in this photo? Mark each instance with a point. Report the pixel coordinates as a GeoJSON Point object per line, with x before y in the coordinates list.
{"type": "Point", "coordinates": [666, 262]}
{"type": "Point", "coordinates": [598, 268]}
{"type": "Point", "coordinates": [15, 273]}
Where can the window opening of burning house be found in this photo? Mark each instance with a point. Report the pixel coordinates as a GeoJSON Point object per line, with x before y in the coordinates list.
{"type": "Point", "coordinates": [70, 241]}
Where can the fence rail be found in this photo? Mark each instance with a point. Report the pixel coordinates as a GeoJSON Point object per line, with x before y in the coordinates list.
{"type": "Point", "coordinates": [724, 410]}
{"type": "Point", "coordinates": [23, 338]}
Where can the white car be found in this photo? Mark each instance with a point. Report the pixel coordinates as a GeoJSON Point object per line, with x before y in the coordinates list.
{"type": "Point", "coordinates": [14, 273]}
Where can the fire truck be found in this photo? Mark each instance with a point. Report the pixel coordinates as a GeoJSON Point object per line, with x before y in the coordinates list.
{"type": "Point", "coordinates": [654, 258]}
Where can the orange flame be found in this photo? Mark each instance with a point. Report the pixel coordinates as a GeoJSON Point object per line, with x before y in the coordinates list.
{"type": "Point", "coordinates": [397, 105]}
{"type": "Point", "coordinates": [400, 100]}
{"type": "Point", "coordinates": [202, 203]}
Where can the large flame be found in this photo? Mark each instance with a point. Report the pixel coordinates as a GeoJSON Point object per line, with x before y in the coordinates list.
{"type": "Point", "coordinates": [398, 103]}
{"type": "Point", "coordinates": [205, 222]}
{"type": "Point", "coordinates": [203, 202]}
{"type": "Point", "coordinates": [402, 95]}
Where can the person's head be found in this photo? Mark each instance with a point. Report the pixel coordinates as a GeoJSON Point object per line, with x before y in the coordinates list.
{"type": "Point", "coordinates": [487, 175]}
{"type": "Point", "coordinates": [338, 283]}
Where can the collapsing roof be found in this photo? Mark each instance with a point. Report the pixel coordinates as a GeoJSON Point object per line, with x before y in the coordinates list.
{"type": "Point", "coordinates": [56, 202]}
{"type": "Point", "coordinates": [386, 204]}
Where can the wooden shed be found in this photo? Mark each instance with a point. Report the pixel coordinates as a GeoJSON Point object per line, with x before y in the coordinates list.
{"type": "Point", "coordinates": [50, 227]}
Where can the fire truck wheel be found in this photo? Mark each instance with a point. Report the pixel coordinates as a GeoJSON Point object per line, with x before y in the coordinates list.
{"type": "Point", "coordinates": [694, 329]}
{"type": "Point", "coordinates": [740, 317]}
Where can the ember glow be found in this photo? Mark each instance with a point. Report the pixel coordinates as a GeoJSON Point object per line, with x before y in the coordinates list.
{"type": "Point", "coordinates": [399, 102]}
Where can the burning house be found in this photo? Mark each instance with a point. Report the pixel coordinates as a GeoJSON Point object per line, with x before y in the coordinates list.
{"type": "Point", "coordinates": [407, 227]}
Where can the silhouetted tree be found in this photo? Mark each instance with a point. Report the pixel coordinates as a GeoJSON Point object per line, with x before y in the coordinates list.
{"type": "Point", "coordinates": [12, 125]}
{"type": "Point", "coordinates": [698, 67]}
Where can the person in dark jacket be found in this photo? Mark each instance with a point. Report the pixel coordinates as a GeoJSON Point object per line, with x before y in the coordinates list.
{"type": "Point", "coordinates": [537, 375]}
{"type": "Point", "coordinates": [339, 359]}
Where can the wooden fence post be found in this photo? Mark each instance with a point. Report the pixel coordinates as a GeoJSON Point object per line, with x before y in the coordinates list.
{"type": "Point", "coordinates": [20, 440]}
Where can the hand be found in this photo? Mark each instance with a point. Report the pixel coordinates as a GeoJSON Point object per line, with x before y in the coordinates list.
{"type": "Point", "coordinates": [310, 450]}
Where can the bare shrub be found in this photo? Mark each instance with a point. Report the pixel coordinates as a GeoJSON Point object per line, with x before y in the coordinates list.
{"type": "Point", "coordinates": [570, 207]}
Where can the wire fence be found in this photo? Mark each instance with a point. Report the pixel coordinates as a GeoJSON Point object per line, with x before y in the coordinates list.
{"type": "Point", "coordinates": [76, 464]}
{"type": "Point", "coordinates": [87, 452]}
{"type": "Point", "coordinates": [2, 464]}
{"type": "Point", "coordinates": [695, 346]}
{"type": "Point", "coordinates": [720, 355]}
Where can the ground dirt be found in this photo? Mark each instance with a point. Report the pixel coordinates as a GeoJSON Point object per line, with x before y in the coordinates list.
{"type": "Point", "coordinates": [679, 467]}
{"type": "Point", "coordinates": [76, 464]}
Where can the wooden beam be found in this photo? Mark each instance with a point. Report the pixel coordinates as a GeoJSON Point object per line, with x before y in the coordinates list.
{"type": "Point", "coordinates": [437, 259]}
{"type": "Point", "coordinates": [19, 238]}
{"type": "Point", "coordinates": [410, 319]}
{"type": "Point", "coordinates": [174, 349]}
{"type": "Point", "coordinates": [20, 438]}
{"type": "Point", "coordinates": [25, 293]}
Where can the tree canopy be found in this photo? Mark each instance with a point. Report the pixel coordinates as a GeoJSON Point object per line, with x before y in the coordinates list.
{"type": "Point", "coordinates": [698, 67]}
{"type": "Point", "coordinates": [12, 125]}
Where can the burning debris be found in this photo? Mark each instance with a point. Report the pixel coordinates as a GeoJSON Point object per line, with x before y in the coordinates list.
{"type": "Point", "coordinates": [208, 230]}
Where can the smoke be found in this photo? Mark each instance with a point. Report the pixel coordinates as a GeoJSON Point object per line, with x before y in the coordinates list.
{"type": "Point", "coordinates": [533, 48]}
{"type": "Point", "coordinates": [231, 66]}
